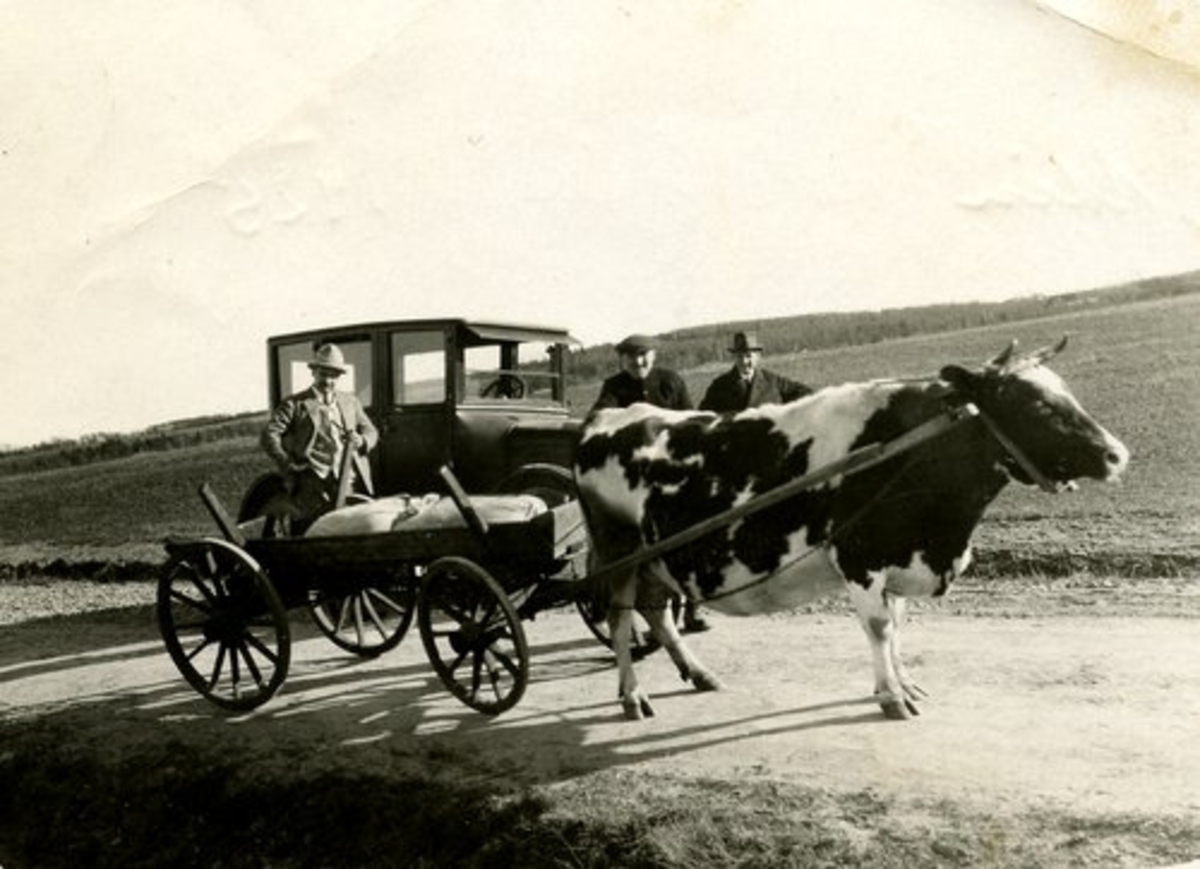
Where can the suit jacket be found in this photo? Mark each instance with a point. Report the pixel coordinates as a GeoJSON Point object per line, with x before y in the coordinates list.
{"type": "Point", "coordinates": [724, 394]}
{"type": "Point", "coordinates": [292, 430]}
{"type": "Point", "coordinates": [662, 387]}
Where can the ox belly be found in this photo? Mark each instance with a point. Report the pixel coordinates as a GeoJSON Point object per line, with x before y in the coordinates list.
{"type": "Point", "coordinates": [811, 577]}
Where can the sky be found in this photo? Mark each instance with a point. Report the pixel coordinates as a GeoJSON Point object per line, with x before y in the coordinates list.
{"type": "Point", "coordinates": [181, 180]}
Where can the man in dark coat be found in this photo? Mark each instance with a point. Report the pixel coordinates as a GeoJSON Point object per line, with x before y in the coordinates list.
{"type": "Point", "coordinates": [747, 383]}
{"type": "Point", "coordinates": [638, 379]}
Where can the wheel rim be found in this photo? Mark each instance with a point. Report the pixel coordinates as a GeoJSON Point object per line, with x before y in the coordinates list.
{"type": "Point", "coordinates": [473, 636]}
{"type": "Point", "coordinates": [223, 625]}
{"type": "Point", "coordinates": [595, 615]}
{"type": "Point", "coordinates": [553, 484]}
{"type": "Point", "coordinates": [368, 622]}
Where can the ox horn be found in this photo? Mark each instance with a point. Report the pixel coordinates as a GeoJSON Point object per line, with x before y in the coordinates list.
{"type": "Point", "coordinates": [1002, 358]}
{"type": "Point", "coordinates": [1048, 352]}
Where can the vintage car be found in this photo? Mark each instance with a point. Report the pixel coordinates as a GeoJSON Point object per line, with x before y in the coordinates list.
{"type": "Point", "coordinates": [488, 400]}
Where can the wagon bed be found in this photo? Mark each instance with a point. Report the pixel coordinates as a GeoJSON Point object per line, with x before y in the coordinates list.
{"type": "Point", "coordinates": [541, 543]}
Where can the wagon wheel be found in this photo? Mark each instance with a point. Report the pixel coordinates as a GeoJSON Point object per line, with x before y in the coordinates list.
{"type": "Point", "coordinates": [223, 624]}
{"type": "Point", "coordinates": [554, 484]}
{"type": "Point", "coordinates": [368, 622]}
{"type": "Point", "coordinates": [473, 635]}
{"type": "Point", "coordinates": [592, 605]}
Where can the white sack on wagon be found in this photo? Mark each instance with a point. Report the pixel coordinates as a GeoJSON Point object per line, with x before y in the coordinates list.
{"type": "Point", "coordinates": [371, 517]}
{"type": "Point", "coordinates": [427, 511]}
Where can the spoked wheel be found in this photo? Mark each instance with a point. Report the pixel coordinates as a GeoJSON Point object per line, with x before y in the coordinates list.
{"type": "Point", "coordinates": [554, 484]}
{"type": "Point", "coordinates": [593, 609]}
{"type": "Point", "coordinates": [368, 622]}
{"type": "Point", "coordinates": [473, 635]}
{"type": "Point", "coordinates": [223, 624]}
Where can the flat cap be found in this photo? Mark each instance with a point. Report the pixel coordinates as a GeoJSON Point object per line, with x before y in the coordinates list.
{"type": "Point", "coordinates": [637, 344]}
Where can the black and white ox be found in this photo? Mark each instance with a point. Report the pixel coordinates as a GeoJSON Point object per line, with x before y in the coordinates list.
{"type": "Point", "coordinates": [896, 529]}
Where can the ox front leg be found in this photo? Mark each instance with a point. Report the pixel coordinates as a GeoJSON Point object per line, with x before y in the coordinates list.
{"type": "Point", "coordinates": [634, 701]}
{"type": "Point", "coordinates": [912, 691]}
{"type": "Point", "coordinates": [875, 614]}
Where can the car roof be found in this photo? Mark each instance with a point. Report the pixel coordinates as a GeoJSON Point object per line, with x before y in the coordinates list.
{"type": "Point", "coordinates": [482, 329]}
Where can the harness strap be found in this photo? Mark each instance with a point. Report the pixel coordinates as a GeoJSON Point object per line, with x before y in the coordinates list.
{"type": "Point", "coordinates": [1018, 455]}
{"type": "Point", "coordinates": [834, 535]}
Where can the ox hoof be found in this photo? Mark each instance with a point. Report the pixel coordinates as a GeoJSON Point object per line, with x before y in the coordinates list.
{"type": "Point", "coordinates": [707, 682]}
{"type": "Point", "coordinates": [637, 708]}
{"type": "Point", "coordinates": [897, 708]}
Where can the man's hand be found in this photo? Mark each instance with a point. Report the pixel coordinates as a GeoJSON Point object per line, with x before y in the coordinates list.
{"type": "Point", "coordinates": [357, 442]}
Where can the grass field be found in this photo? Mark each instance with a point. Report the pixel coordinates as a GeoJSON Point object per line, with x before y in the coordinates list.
{"type": "Point", "coordinates": [1136, 367]}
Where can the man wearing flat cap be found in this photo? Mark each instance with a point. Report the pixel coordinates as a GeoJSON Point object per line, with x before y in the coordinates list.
{"type": "Point", "coordinates": [309, 432]}
{"type": "Point", "coordinates": [639, 380]}
{"type": "Point", "coordinates": [747, 383]}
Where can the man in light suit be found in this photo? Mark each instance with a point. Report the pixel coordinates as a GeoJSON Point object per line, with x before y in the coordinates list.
{"type": "Point", "coordinates": [747, 383]}
{"type": "Point", "coordinates": [309, 432]}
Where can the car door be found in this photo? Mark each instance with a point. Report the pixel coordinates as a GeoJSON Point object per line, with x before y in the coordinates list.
{"type": "Point", "coordinates": [415, 423]}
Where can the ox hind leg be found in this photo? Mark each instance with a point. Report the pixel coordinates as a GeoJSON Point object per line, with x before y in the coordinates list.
{"type": "Point", "coordinates": [881, 615]}
{"type": "Point", "coordinates": [654, 605]}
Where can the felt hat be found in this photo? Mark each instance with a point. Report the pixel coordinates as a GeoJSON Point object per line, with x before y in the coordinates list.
{"type": "Point", "coordinates": [637, 344]}
{"type": "Point", "coordinates": [745, 342]}
{"type": "Point", "coordinates": [329, 356]}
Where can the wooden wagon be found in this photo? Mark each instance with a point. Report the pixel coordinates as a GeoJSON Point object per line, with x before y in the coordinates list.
{"type": "Point", "coordinates": [223, 602]}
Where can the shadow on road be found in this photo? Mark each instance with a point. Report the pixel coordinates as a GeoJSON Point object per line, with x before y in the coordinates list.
{"type": "Point", "coordinates": [569, 723]}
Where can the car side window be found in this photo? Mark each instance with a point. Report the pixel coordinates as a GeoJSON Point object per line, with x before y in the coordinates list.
{"type": "Point", "coordinates": [294, 374]}
{"type": "Point", "coordinates": [418, 367]}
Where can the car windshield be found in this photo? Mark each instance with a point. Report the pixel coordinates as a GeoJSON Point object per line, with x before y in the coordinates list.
{"type": "Point", "coordinates": [510, 372]}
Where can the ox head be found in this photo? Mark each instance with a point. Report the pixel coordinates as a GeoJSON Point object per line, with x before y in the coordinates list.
{"type": "Point", "coordinates": [1046, 433]}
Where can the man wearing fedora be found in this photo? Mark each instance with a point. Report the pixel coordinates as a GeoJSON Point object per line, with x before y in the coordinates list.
{"type": "Point", "coordinates": [639, 380]}
{"type": "Point", "coordinates": [747, 383]}
{"type": "Point", "coordinates": [308, 433]}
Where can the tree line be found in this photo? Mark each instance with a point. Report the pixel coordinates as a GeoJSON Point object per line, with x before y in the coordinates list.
{"type": "Point", "coordinates": [105, 446]}
{"type": "Point", "coordinates": [690, 348]}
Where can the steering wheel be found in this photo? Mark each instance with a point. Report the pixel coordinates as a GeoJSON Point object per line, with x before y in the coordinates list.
{"type": "Point", "coordinates": [504, 386]}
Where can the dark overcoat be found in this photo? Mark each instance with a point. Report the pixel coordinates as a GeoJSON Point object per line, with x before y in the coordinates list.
{"type": "Point", "coordinates": [662, 387]}
{"type": "Point", "coordinates": [726, 394]}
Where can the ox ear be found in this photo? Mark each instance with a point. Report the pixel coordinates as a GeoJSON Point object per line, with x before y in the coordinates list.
{"type": "Point", "coordinates": [962, 380]}
{"type": "Point", "coordinates": [1048, 352]}
{"type": "Point", "coordinates": [1004, 356]}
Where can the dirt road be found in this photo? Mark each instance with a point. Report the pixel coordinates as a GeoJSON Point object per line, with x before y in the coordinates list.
{"type": "Point", "coordinates": [1101, 715]}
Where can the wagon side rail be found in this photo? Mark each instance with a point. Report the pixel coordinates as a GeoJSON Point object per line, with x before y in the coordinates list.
{"type": "Point", "coordinates": [851, 463]}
